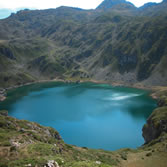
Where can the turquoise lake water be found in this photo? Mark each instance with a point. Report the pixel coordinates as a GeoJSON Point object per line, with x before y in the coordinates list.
{"type": "Point", "coordinates": [87, 114]}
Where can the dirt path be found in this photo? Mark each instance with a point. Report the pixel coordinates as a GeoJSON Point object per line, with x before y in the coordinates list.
{"type": "Point", "coordinates": [145, 159]}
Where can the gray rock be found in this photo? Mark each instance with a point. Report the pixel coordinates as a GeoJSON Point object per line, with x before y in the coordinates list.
{"type": "Point", "coordinates": [4, 113]}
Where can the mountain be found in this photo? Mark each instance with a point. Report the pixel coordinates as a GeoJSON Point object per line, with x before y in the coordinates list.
{"type": "Point", "coordinates": [148, 5]}
{"type": "Point", "coordinates": [107, 4]}
{"type": "Point", "coordinates": [122, 45]}
{"type": "Point", "coordinates": [154, 9]}
{"type": "Point", "coordinates": [114, 45]}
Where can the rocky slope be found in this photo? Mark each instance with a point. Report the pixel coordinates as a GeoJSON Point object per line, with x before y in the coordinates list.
{"type": "Point", "coordinates": [121, 44]}
{"type": "Point", "coordinates": [156, 126]}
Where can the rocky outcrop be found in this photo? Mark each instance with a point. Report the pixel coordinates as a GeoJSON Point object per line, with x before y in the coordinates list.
{"type": "Point", "coordinates": [2, 94]}
{"type": "Point", "coordinates": [51, 163]}
{"type": "Point", "coordinates": [156, 125]}
{"type": "Point", "coordinates": [7, 53]}
{"type": "Point", "coordinates": [3, 113]}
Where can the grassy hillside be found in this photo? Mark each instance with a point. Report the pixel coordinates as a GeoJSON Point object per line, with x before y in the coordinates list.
{"type": "Point", "coordinates": [24, 143]}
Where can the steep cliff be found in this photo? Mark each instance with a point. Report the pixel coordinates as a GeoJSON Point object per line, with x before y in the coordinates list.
{"type": "Point", "coordinates": [156, 125]}
{"type": "Point", "coordinates": [155, 130]}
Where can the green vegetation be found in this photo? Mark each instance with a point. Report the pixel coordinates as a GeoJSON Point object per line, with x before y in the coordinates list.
{"type": "Point", "coordinates": [23, 142]}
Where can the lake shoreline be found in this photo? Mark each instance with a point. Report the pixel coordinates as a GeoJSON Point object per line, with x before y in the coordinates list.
{"type": "Point", "coordinates": [100, 101]}
{"type": "Point", "coordinates": [144, 149]}
{"type": "Point", "coordinates": [3, 91]}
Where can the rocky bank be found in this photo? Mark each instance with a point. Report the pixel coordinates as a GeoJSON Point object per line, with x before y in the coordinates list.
{"type": "Point", "coordinates": [157, 122]}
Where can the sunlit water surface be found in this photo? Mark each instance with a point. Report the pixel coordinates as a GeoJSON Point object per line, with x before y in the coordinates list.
{"type": "Point", "coordinates": [87, 114]}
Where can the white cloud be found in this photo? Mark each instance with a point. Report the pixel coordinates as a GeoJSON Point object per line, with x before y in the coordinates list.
{"type": "Point", "coordinates": [44, 4]}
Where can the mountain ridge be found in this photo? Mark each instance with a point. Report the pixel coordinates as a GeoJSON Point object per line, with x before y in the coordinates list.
{"type": "Point", "coordinates": [106, 4]}
{"type": "Point", "coordinates": [103, 4]}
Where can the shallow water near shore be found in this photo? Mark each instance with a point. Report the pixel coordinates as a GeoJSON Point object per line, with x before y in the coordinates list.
{"type": "Point", "coordinates": [88, 115]}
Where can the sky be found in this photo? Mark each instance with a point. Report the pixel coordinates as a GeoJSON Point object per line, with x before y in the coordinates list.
{"type": "Point", "coordinates": [8, 6]}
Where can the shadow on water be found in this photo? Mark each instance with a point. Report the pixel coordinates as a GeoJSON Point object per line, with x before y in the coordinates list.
{"type": "Point", "coordinates": [70, 90]}
{"type": "Point", "coordinates": [15, 94]}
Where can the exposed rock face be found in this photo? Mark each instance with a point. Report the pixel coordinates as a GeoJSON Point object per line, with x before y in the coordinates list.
{"type": "Point", "coordinates": [7, 52]}
{"type": "Point", "coordinates": [52, 163]}
{"type": "Point", "coordinates": [4, 113]}
{"type": "Point", "coordinates": [156, 124]}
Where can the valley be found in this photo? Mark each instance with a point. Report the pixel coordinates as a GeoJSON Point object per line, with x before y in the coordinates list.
{"type": "Point", "coordinates": [116, 44]}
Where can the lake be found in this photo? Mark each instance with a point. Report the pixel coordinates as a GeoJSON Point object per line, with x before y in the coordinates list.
{"type": "Point", "coordinates": [88, 115]}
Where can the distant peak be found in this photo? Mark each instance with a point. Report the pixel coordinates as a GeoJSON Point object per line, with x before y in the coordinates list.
{"type": "Point", "coordinates": [106, 4]}
{"type": "Point", "coordinates": [147, 5]}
